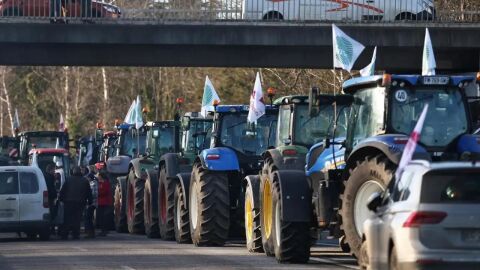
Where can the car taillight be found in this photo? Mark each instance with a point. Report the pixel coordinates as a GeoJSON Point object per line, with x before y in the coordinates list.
{"type": "Point", "coordinates": [45, 199]}
{"type": "Point", "coordinates": [418, 218]}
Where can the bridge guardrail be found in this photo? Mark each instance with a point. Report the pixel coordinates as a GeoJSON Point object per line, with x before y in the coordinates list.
{"type": "Point", "coordinates": [282, 11]}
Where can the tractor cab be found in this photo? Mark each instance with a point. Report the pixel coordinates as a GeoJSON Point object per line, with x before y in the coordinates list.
{"type": "Point", "coordinates": [106, 145]}
{"type": "Point", "coordinates": [248, 140]}
{"type": "Point", "coordinates": [387, 108]}
{"type": "Point", "coordinates": [41, 139]}
{"type": "Point", "coordinates": [8, 150]}
{"type": "Point", "coordinates": [196, 134]}
{"type": "Point", "coordinates": [162, 137]}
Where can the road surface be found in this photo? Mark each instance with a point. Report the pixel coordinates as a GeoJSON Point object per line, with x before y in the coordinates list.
{"type": "Point", "coordinates": [135, 252]}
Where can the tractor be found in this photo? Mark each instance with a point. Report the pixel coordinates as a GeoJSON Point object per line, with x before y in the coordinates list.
{"type": "Point", "coordinates": [384, 111]}
{"type": "Point", "coordinates": [41, 139]}
{"type": "Point", "coordinates": [298, 129]}
{"type": "Point", "coordinates": [8, 150]}
{"type": "Point", "coordinates": [216, 196]}
{"type": "Point", "coordinates": [161, 184]}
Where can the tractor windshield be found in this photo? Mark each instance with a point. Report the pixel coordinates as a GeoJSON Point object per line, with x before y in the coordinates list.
{"type": "Point", "coordinates": [446, 116]}
{"type": "Point", "coordinates": [130, 141]}
{"type": "Point", "coordinates": [198, 136]}
{"type": "Point", "coordinates": [46, 142]}
{"type": "Point", "coordinates": [310, 130]}
{"type": "Point", "coordinates": [238, 134]}
{"type": "Point", "coordinates": [164, 140]}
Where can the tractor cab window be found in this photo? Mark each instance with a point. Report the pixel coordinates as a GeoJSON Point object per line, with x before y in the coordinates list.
{"type": "Point", "coordinates": [446, 116]}
{"type": "Point", "coordinates": [283, 132]}
{"type": "Point", "coordinates": [367, 115]}
{"type": "Point", "coordinates": [198, 136]}
{"type": "Point", "coordinates": [312, 129]}
{"type": "Point", "coordinates": [238, 134]}
{"type": "Point", "coordinates": [46, 142]}
{"type": "Point", "coordinates": [164, 140]}
{"type": "Point", "coordinates": [133, 142]}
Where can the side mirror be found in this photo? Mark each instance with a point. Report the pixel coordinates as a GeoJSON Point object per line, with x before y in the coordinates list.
{"type": "Point", "coordinates": [374, 201]}
{"type": "Point", "coordinates": [313, 106]}
{"type": "Point", "coordinates": [99, 135]}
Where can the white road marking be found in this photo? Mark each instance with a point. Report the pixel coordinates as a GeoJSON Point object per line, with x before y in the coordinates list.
{"type": "Point", "coordinates": [80, 249]}
{"type": "Point", "coordinates": [323, 260]}
{"type": "Point", "coordinates": [124, 267]}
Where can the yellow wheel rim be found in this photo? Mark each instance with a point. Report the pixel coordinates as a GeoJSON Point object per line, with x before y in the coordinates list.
{"type": "Point", "coordinates": [248, 219]}
{"type": "Point", "coordinates": [267, 208]}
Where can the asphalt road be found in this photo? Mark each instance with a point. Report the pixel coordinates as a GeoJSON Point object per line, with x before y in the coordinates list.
{"type": "Point", "coordinates": [130, 252]}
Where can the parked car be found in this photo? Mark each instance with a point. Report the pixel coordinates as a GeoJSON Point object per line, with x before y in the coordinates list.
{"type": "Point", "coordinates": [24, 201]}
{"type": "Point", "coordinates": [430, 219]}
{"type": "Point", "coordinates": [60, 158]}
{"type": "Point", "coordinates": [73, 8]}
{"type": "Point", "coordinates": [338, 10]}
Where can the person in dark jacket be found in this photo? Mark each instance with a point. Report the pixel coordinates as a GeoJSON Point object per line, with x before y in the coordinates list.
{"type": "Point", "coordinates": [105, 199]}
{"type": "Point", "coordinates": [90, 211]}
{"type": "Point", "coordinates": [52, 192]}
{"type": "Point", "coordinates": [74, 194]}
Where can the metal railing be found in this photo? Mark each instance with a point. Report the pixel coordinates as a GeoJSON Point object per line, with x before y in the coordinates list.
{"type": "Point", "coordinates": [281, 11]}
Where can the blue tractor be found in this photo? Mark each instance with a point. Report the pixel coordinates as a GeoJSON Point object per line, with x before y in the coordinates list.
{"type": "Point", "coordinates": [384, 112]}
{"type": "Point", "coordinates": [216, 196]}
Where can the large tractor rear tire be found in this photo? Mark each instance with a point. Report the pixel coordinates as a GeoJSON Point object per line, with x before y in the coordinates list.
{"type": "Point", "coordinates": [166, 203]}
{"type": "Point", "coordinates": [209, 207]}
{"type": "Point", "coordinates": [253, 233]}
{"type": "Point", "coordinates": [135, 196]}
{"type": "Point", "coordinates": [266, 204]}
{"type": "Point", "coordinates": [368, 176]}
{"type": "Point", "coordinates": [181, 219]}
{"type": "Point", "coordinates": [150, 205]}
{"type": "Point", "coordinates": [119, 206]}
{"type": "Point", "coordinates": [291, 240]}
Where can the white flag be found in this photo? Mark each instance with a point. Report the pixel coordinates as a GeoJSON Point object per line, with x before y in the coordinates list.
{"type": "Point", "coordinates": [138, 114]}
{"type": "Point", "coordinates": [129, 118]}
{"type": "Point", "coordinates": [345, 49]}
{"type": "Point", "coordinates": [257, 106]}
{"type": "Point", "coordinates": [428, 59]}
{"type": "Point", "coordinates": [209, 97]}
{"type": "Point", "coordinates": [411, 144]}
{"type": "Point", "coordinates": [16, 121]}
{"type": "Point", "coordinates": [370, 69]}
{"type": "Point", "coordinates": [61, 125]}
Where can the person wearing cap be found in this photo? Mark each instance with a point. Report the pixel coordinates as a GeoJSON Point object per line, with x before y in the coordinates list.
{"type": "Point", "coordinates": [74, 194]}
{"type": "Point", "coordinates": [105, 199]}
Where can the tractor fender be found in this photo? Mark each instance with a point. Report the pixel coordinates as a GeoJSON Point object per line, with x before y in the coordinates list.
{"type": "Point", "coordinates": [252, 182]}
{"type": "Point", "coordinates": [225, 159]}
{"type": "Point", "coordinates": [170, 162]}
{"type": "Point", "coordinates": [118, 165]}
{"type": "Point", "coordinates": [296, 195]}
{"type": "Point", "coordinates": [139, 164]}
{"type": "Point", "coordinates": [285, 163]}
{"type": "Point", "coordinates": [184, 179]}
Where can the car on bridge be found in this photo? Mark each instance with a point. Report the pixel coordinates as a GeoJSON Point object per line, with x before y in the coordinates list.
{"type": "Point", "coordinates": [338, 10]}
{"type": "Point", "coordinates": [70, 9]}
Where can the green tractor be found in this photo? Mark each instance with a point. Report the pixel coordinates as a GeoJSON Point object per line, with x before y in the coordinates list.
{"type": "Point", "coordinates": [161, 137]}
{"type": "Point", "coordinates": [161, 198]}
{"type": "Point", "coordinates": [298, 130]}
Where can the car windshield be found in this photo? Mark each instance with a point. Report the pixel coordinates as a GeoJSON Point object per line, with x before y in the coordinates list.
{"type": "Point", "coordinates": [133, 142]}
{"type": "Point", "coordinates": [446, 116]}
{"type": "Point", "coordinates": [198, 135]}
{"type": "Point", "coordinates": [310, 130]}
{"type": "Point", "coordinates": [246, 138]}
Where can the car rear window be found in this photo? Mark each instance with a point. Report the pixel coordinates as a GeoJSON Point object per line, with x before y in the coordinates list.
{"type": "Point", "coordinates": [8, 183]}
{"type": "Point", "coordinates": [451, 186]}
{"type": "Point", "coordinates": [28, 183]}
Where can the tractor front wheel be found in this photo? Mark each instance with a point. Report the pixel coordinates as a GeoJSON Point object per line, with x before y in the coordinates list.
{"type": "Point", "coordinates": [181, 219]}
{"type": "Point", "coordinates": [253, 233]}
{"type": "Point", "coordinates": [266, 207]}
{"type": "Point", "coordinates": [166, 202]}
{"type": "Point", "coordinates": [135, 194]}
{"type": "Point", "coordinates": [119, 206]}
{"type": "Point", "coordinates": [368, 176]}
{"type": "Point", "coordinates": [209, 207]}
{"type": "Point", "coordinates": [150, 205]}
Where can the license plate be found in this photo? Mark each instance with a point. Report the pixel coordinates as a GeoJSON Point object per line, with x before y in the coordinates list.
{"type": "Point", "coordinates": [435, 80]}
{"type": "Point", "coordinates": [471, 236]}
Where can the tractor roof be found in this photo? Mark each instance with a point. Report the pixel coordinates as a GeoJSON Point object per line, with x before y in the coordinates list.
{"type": "Point", "coordinates": [291, 100]}
{"type": "Point", "coordinates": [41, 151]}
{"type": "Point", "coordinates": [42, 133]}
{"type": "Point", "coordinates": [196, 116]}
{"type": "Point", "coordinates": [239, 108]}
{"type": "Point", "coordinates": [354, 84]}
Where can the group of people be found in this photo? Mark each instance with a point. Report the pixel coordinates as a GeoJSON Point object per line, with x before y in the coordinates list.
{"type": "Point", "coordinates": [87, 192]}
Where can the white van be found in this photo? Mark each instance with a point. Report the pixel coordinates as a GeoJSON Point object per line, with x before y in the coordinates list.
{"type": "Point", "coordinates": [338, 10]}
{"type": "Point", "coordinates": [24, 201]}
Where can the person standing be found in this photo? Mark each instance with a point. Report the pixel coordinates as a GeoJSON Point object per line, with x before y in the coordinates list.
{"type": "Point", "coordinates": [105, 200]}
{"type": "Point", "coordinates": [90, 211]}
{"type": "Point", "coordinates": [52, 193]}
{"type": "Point", "coordinates": [74, 194]}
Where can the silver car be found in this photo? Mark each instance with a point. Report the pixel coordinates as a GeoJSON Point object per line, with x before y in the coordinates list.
{"type": "Point", "coordinates": [430, 219]}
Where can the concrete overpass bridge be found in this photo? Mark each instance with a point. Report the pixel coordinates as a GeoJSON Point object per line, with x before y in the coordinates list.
{"type": "Point", "coordinates": [230, 37]}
